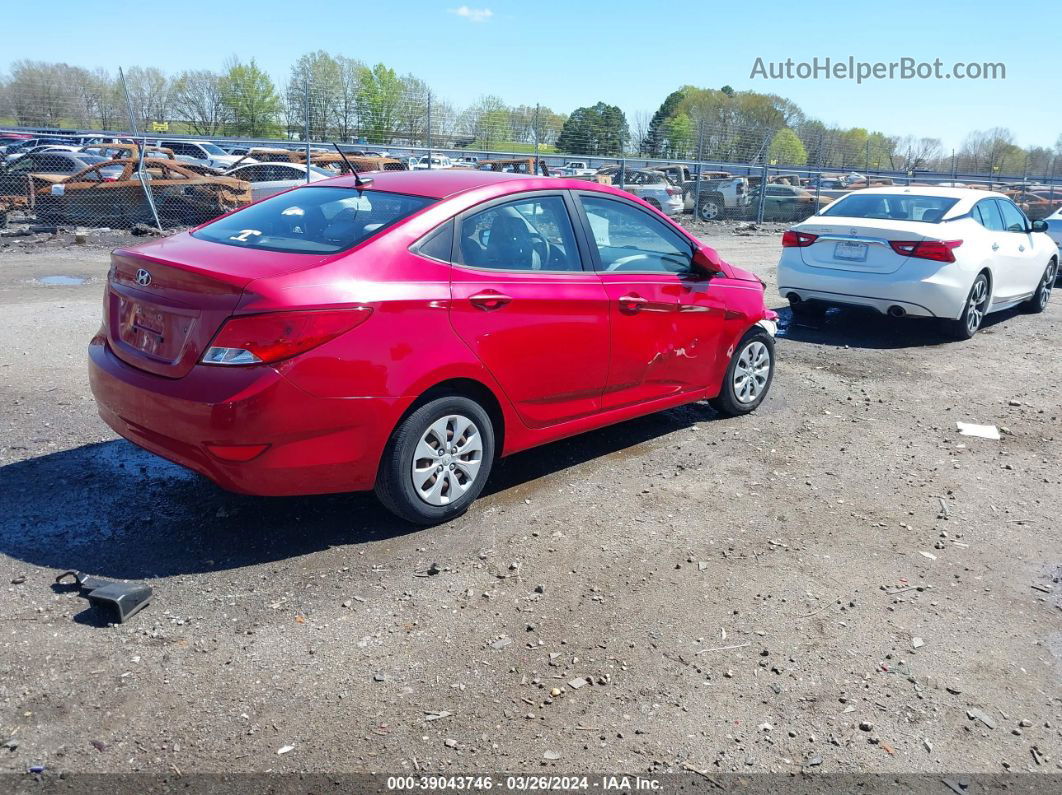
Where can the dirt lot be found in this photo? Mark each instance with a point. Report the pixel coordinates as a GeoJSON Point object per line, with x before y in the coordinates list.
{"type": "Point", "coordinates": [839, 582]}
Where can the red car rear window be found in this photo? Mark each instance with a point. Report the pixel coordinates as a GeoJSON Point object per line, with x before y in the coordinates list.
{"type": "Point", "coordinates": [313, 220]}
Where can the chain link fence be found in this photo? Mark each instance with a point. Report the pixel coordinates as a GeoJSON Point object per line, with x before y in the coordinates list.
{"type": "Point", "coordinates": [83, 149]}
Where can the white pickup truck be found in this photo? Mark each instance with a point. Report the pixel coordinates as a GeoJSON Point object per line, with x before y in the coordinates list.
{"type": "Point", "coordinates": [578, 168]}
{"type": "Point", "coordinates": [720, 193]}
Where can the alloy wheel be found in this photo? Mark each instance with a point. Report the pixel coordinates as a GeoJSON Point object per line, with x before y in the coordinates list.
{"type": "Point", "coordinates": [447, 459]}
{"type": "Point", "coordinates": [709, 211]}
{"type": "Point", "coordinates": [752, 371]}
{"type": "Point", "coordinates": [978, 303]}
{"type": "Point", "coordinates": [1048, 284]}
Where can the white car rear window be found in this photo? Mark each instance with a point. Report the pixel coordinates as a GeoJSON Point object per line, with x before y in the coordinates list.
{"type": "Point", "coordinates": [899, 207]}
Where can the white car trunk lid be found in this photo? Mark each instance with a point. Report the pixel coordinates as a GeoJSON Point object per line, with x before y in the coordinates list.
{"type": "Point", "coordinates": [860, 244]}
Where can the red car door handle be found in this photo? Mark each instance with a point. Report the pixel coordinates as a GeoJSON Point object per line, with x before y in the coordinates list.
{"type": "Point", "coordinates": [632, 302]}
{"type": "Point", "coordinates": [489, 300]}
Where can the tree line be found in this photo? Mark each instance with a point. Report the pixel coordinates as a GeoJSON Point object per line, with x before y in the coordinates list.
{"type": "Point", "coordinates": [708, 124]}
{"type": "Point", "coordinates": [334, 97]}
{"type": "Point", "coordinates": [326, 97]}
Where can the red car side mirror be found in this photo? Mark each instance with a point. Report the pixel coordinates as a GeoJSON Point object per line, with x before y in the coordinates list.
{"type": "Point", "coordinates": [704, 265]}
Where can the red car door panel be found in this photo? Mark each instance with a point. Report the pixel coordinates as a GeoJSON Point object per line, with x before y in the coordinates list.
{"type": "Point", "coordinates": [665, 336]}
{"type": "Point", "coordinates": [525, 307]}
{"type": "Point", "coordinates": [665, 322]}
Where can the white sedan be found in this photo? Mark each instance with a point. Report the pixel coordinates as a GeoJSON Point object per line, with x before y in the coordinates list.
{"type": "Point", "coordinates": [950, 253]}
{"type": "Point", "coordinates": [435, 161]}
{"type": "Point", "coordinates": [270, 178]}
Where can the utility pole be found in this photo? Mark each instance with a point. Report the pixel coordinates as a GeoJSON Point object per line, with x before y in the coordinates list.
{"type": "Point", "coordinates": [306, 123]}
{"type": "Point", "coordinates": [763, 194]}
{"type": "Point", "coordinates": [140, 161]}
{"type": "Point", "coordinates": [538, 165]}
{"type": "Point", "coordinates": [429, 128]}
{"type": "Point", "coordinates": [697, 175]}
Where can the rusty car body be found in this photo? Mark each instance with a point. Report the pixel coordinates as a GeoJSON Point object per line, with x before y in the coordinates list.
{"type": "Point", "coordinates": [181, 195]}
{"type": "Point", "coordinates": [514, 165]}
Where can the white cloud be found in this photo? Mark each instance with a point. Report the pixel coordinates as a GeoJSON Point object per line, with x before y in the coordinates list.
{"type": "Point", "coordinates": [473, 14]}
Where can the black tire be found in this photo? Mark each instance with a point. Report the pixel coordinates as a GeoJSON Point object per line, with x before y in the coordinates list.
{"type": "Point", "coordinates": [728, 402]}
{"type": "Point", "coordinates": [653, 203]}
{"type": "Point", "coordinates": [394, 483]}
{"type": "Point", "coordinates": [1038, 302]}
{"type": "Point", "coordinates": [967, 325]}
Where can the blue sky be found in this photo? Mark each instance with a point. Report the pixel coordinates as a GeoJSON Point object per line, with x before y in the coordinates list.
{"type": "Point", "coordinates": [567, 54]}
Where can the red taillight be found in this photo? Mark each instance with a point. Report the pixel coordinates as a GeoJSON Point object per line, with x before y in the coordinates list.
{"type": "Point", "coordinates": [936, 250]}
{"type": "Point", "coordinates": [794, 239]}
{"type": "Point", "coordinates": [674, 191]}
{"type": "Point", "coordinates": [266, 338]}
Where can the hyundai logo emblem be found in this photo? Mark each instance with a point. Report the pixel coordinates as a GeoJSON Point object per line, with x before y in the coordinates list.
{"type": "Point", "coordinates": [143, 278]}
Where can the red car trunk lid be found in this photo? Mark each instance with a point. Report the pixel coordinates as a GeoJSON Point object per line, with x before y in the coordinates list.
{"type": "Point", "coordinates": [165, 301]}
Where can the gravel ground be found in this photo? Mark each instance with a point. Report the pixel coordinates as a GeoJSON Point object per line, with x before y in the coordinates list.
{"type": "Point", "coordinates": [839, 582]}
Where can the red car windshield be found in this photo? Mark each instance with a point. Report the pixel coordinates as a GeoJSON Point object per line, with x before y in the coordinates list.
{"type": "Point", "coordinates": [313, 220]}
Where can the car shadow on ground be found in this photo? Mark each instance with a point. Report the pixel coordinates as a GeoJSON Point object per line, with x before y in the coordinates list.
{"type": "Point", "coordinates": [868, 329]}
{"type": "Point", "coordinates": [113, 510]}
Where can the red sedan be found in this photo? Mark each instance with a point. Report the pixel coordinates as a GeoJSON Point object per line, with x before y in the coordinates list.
{"type": "Point", "coordinates": [400, 333]}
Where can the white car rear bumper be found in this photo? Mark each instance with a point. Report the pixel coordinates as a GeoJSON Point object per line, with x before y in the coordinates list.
{"type": "Point", "coordinates": [921, 288]}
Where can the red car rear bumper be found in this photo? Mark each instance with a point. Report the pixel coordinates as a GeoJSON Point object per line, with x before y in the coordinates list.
{"type": "Point", "coordinates": [315, 445]}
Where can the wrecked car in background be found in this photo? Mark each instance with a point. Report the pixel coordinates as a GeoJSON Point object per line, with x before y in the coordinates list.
{"type": "Point", "coordinates": [329, 160]}
{"type": "Point", "coordinates": [514, 165]}
{"type": "Point", "coordinates": [270, 178]}
{"type": "Point", "coordinates": [333, 161]}
{"type": "Point", "coordinates": [120, 151]}
{"type": "Point", "coordinates": [21, 181]}
{"type": "Point", "coordinates": [98, 195]}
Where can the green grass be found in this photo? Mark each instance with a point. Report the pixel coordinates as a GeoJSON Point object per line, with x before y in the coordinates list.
{"type": "Point", "coordinates": [511, 146]}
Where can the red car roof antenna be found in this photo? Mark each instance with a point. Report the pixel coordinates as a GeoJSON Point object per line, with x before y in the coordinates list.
{"type": "Point", "coordinates": [359, 182]}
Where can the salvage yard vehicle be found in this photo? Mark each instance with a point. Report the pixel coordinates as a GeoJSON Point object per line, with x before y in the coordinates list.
{"type": "Point", "coordinates": [119, 151]}
{"type": "Point", "coordinates": [653, 188]}
{"type": "Point", "coordinates": [686, 178]}
{"type": "Point", "coordinates": [213, 154]}
{"type": "Point", "coordinates": [332, 161]}
{"type": "Point", "coordinates": [723, 197]}
{"type": "Point", "coordinates": [23, 180]}
{"type": "Point", "coordinates": [950, 253]}
{"type": "Point", "coordinates": [1036, 205]}
{"type": "Point", "coordinates": [19, 147]}
{"type": "Point", "coordinates": [52, 165]}
{"type": "Point", "coordinates": [39, 148]}
{"type": "Point", "coordinates": [1054, 227]}
{"type": "Point", "coordinates": [514, 165]}
{"type": "Point", "coordinates": [342, 164]}
{"type": "Point", "coordinates": [786, 202]}
{"type": "Point", "coordinates": [267, 154]}
{"type": "Point", "coordinates": [103, 194]}
{"type": "Point", "coordinates": [433, 162]}
{"type": "Point", "coordinates": [269, 178]}
{"type": "Point", "coordinates": [11, 140]}
{"type": "Point", "coordinates": [578, 168]}
{"type": "Point", "coordinates": [401, 333]}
